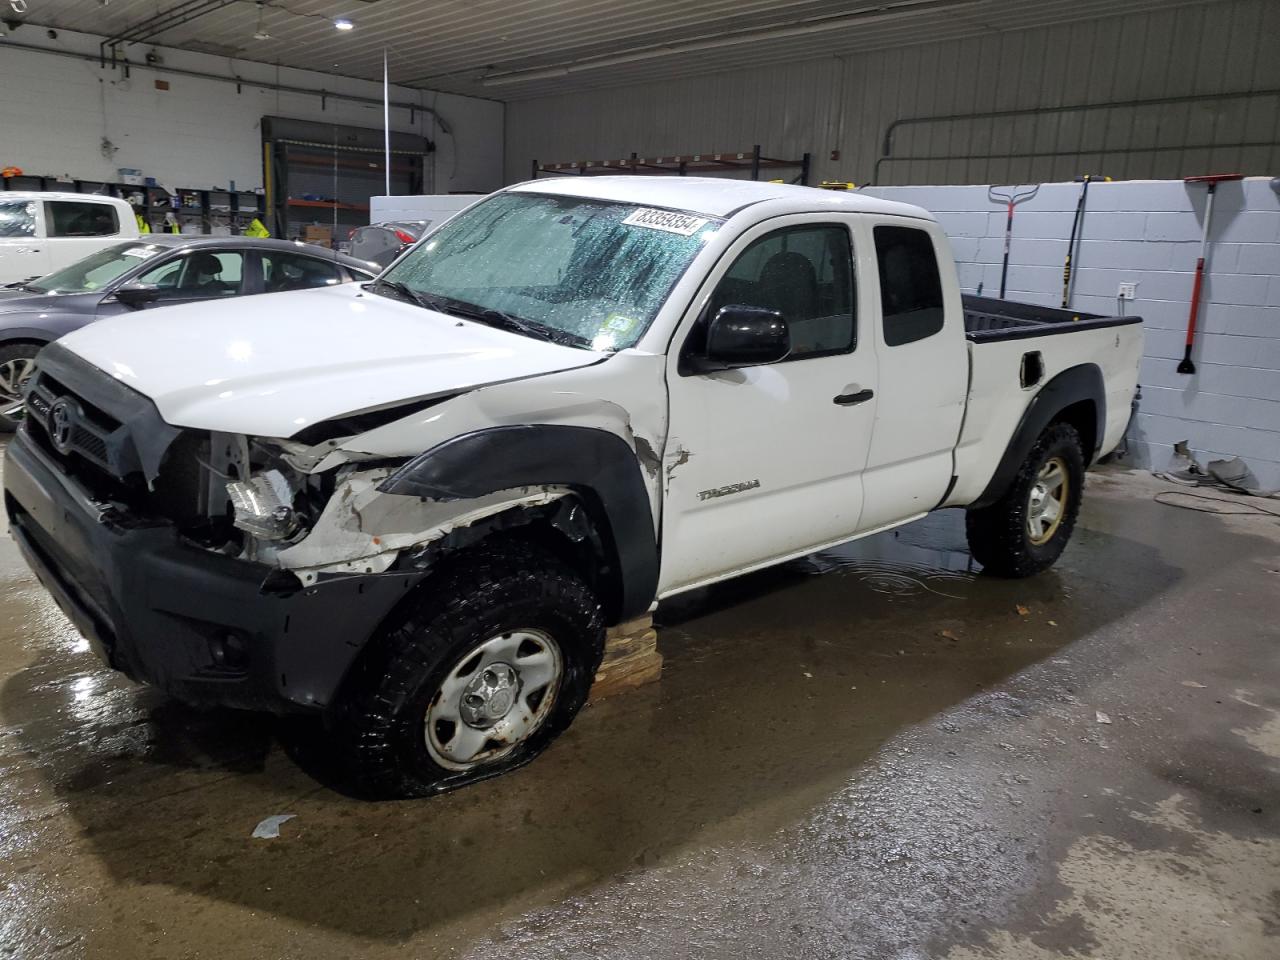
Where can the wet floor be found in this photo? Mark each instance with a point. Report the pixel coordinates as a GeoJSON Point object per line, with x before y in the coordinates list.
{"type": "Point", "coordinates": [872, 753]}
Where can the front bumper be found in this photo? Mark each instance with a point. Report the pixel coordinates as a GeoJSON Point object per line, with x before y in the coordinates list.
{"type": "Point", "coordinates": [196, 624]}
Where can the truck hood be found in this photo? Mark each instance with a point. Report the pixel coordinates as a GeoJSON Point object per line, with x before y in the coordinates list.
{"type": "Point", "coordinates": [273, 364]}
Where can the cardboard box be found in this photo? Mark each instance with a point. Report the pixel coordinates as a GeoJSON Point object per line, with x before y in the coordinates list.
{"type": "Point", "coordinates": [321, 236]}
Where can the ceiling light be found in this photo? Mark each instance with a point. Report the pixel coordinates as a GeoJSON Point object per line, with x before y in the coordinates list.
{"type": "Point", "coordinates": [261, 32]}
{"type": "Point", "coordinates": [882, 11]}
{"type": "Point", "coordinates": [342, 23]}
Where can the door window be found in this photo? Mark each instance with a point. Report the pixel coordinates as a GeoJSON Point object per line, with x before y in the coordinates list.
{"type": "Point", "coordinates": [910, 288]}
{"type": "Point", "coordinates": [806, 274]}
{"type": "Point", "coordinates": [200, 275]}
{"type": "Point", "coordinates": [294, 271]}
{"type": "Point", "coordinates": [17, 218]}
{"type": "Point", "coordinates": [80, 218]}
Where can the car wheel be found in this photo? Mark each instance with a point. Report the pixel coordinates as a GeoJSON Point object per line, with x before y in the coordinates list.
{"type": "Point", "coordinates": [483, 669]}
{"type": "Point", "coordinates": [1026, 530]}
{"type": "Point", "coordinates": [17, 361]}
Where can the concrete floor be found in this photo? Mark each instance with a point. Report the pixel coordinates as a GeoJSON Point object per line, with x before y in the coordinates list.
{"type": "Point", "coordinates": [871, 753]}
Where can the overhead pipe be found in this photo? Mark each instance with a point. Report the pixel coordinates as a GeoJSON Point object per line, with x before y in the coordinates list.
{"type": "Point", "coordinates": [238, 81]}
{"type": "Point", "coordinates": [887, 147]}
{"type": "Point", "coordinates": [178, 16]}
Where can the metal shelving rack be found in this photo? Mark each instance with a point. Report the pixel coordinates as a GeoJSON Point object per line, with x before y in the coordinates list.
{"type": "Point", "coordinates": [750, 161]}
{"type": "Point", "coordinates": [322, 175]}
{"type": "Point", "coordinates": [197, 211]}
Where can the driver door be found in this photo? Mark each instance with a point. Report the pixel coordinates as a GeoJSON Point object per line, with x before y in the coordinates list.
{"type": "Point", "coordinates": [765, 462]}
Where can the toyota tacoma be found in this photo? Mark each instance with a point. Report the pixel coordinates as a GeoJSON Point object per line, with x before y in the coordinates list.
{"type": "Point", "coordinates": [414, 506]}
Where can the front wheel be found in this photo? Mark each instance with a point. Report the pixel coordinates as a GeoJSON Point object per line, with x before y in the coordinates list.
{"type": "Point", "coordinates": [483, 669]}
{"type": "Point", "coordinates": [17, 361]}
{"type": "Point", "coordinates": [1026, 530]}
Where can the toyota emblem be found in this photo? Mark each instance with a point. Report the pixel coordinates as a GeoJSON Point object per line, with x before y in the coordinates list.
{"type": "Point", "coordinates": [60, 424]}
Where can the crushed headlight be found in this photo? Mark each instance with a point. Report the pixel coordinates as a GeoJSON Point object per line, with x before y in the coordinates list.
{"type": "Point", "coordinates": [263, 505]}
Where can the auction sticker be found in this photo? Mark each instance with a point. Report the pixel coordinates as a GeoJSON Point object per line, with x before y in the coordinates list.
{"type": "Point", "coordinates": [680, 223]}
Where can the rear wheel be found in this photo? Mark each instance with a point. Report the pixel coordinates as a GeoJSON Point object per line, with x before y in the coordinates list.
{"type": "Point", "coordinates": [481, 672]}
{"type": "Point", "coordinates": [1026, 530]}
{"type": "Point", "coordinates": [17, 361]}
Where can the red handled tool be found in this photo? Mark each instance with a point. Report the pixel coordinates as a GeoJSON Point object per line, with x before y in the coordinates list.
{"type": "Point", "coordinates": [1212, 181]}
{"type": "Point", "coordinates": [1011, 199]}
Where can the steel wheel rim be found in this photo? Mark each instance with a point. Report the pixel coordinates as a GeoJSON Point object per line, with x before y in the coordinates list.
{"type": "Point", "coordinates": [494, 698]}
{"type": "Point", "coordinates": [1047, 502]}
{"type": "Point", "coordinates": [13, 375]}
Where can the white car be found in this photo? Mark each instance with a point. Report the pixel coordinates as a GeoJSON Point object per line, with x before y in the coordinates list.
{"type": "Point", "coordinates": [414, 506]}
{"type": "Point", "coordinates": [43, 232]}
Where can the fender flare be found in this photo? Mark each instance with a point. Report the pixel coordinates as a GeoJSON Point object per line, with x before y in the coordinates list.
{"type": "Point", "coordinates": [1083, 382]}
{"type": "Point", "coordinates": [599, 465]}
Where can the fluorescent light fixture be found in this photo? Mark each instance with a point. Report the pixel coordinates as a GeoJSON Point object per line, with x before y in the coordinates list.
{"type": "Point", "coordinates": [342, 23]}
{"type": "Point", "coordinates": [261, 32]}
{"type": "Point", "coordinates": [873, 14]}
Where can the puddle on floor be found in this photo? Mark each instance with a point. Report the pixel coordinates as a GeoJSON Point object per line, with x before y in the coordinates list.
{"type": "Point", "coordinates": [930, 555]}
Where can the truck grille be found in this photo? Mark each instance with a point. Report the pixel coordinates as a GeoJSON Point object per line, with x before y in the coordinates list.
{"type": "Point", "coordinates": [70, 428]}
{"type": "Point", "coordinates": [113, 442]}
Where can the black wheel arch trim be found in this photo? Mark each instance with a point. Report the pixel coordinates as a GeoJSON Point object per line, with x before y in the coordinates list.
{"type": "Point", "coordinates": [1071, 386]}
{"type": "Point", "coordinates": [32, 335]}
{"type": "Point", "coordinates": [600, 465]}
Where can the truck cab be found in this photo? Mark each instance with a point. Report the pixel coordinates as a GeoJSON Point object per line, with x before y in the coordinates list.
{"type": "Point", "coordinates": [41, 232]}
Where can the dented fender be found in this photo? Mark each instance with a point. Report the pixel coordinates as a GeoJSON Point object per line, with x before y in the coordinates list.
{"type": "Point", "coordinates": [363, 530]}
{"type": "Point", "coordinates": [624, 395]}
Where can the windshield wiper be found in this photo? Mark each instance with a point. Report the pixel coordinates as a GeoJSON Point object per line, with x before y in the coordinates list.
{"type": "Point", "coordinates": [490, 316]}
{"type": "Point", "coordinates": [498, 318]}
{"type": "Point", "coordinates": [407, 292]}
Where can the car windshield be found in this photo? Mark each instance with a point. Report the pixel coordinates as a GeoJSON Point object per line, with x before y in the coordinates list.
{"type": "Point", "coordinates": [96, 270]}
{"type": "Point", "coordinates": [588, 273]}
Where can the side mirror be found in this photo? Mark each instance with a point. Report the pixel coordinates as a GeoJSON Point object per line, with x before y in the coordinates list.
{"type": "Point", "coordinates": [744, 336]}
{"type": "Point", "coordinates": [138, 294]}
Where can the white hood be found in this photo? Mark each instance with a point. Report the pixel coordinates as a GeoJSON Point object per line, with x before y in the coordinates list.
{"type": "Point", "coordinates": [271, 365]}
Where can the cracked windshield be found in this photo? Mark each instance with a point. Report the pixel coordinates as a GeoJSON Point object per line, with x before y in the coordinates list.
{"type": "Point", "coordinates": [587, 273]}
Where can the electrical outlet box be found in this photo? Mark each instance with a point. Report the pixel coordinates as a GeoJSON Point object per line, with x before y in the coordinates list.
{"type": "Point", "coordinates": [1128, 291]}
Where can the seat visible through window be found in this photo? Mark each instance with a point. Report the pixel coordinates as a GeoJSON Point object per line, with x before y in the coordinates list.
{"type": "Point", "coordinates": [806, 274]}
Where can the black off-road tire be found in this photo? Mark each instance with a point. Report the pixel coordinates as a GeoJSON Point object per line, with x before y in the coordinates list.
{"type": "Point", "coordinates": [9, 354]}
{"type": "Point", "coordinates": [998, 535]}
{"type": "Point", "coordinates": [505, 585]}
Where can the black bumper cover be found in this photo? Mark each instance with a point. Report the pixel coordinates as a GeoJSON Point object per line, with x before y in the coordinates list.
{"type": "Point", "coordinates": [194, 623]}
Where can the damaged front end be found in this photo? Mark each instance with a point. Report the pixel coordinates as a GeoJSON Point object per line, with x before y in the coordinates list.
{"type": "Point", "coordinates": [290, 507]}
{"type": "Point", "coordinates": [305, 510]}
{"type": "Point", "coordinates": [223, 568]}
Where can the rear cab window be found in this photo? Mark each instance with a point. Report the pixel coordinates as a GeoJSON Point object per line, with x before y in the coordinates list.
{"type": "Point", "coordinates": [910, 285]}
{"type": "Point", "coordinates": [80, 218]}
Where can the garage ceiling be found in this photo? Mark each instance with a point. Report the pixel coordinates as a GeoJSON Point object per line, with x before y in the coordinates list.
{"type": "Point", "coordinates": [518, 49]}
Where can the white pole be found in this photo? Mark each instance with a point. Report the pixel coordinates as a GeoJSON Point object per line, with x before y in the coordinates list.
{"type": "Point", "coordinates": [386, 118]}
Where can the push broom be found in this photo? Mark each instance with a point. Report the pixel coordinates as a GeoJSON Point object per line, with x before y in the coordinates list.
{"type": "Point", "coordinates": [1212, 181]}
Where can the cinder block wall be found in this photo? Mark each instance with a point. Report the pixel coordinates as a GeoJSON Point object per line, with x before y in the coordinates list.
{"type": "Point", "coordinates": [1147, 232]}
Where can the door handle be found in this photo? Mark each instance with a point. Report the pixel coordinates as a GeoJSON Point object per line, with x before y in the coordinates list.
{"type": "Point", "coordinates": [853, 399]}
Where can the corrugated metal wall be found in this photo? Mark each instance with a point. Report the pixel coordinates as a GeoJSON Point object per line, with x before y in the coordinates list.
{"type": "Point", "coordinates": [847, 105]}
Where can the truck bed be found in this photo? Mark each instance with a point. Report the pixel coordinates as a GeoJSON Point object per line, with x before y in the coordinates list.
{"type": "Point", "coordinates": [987, 319]}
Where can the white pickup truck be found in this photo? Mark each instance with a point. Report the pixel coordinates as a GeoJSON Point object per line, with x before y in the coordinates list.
{"type": "Point", "coordinates": [44, 232]}
{"type": "Point", "coordinates": [415, 506]}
